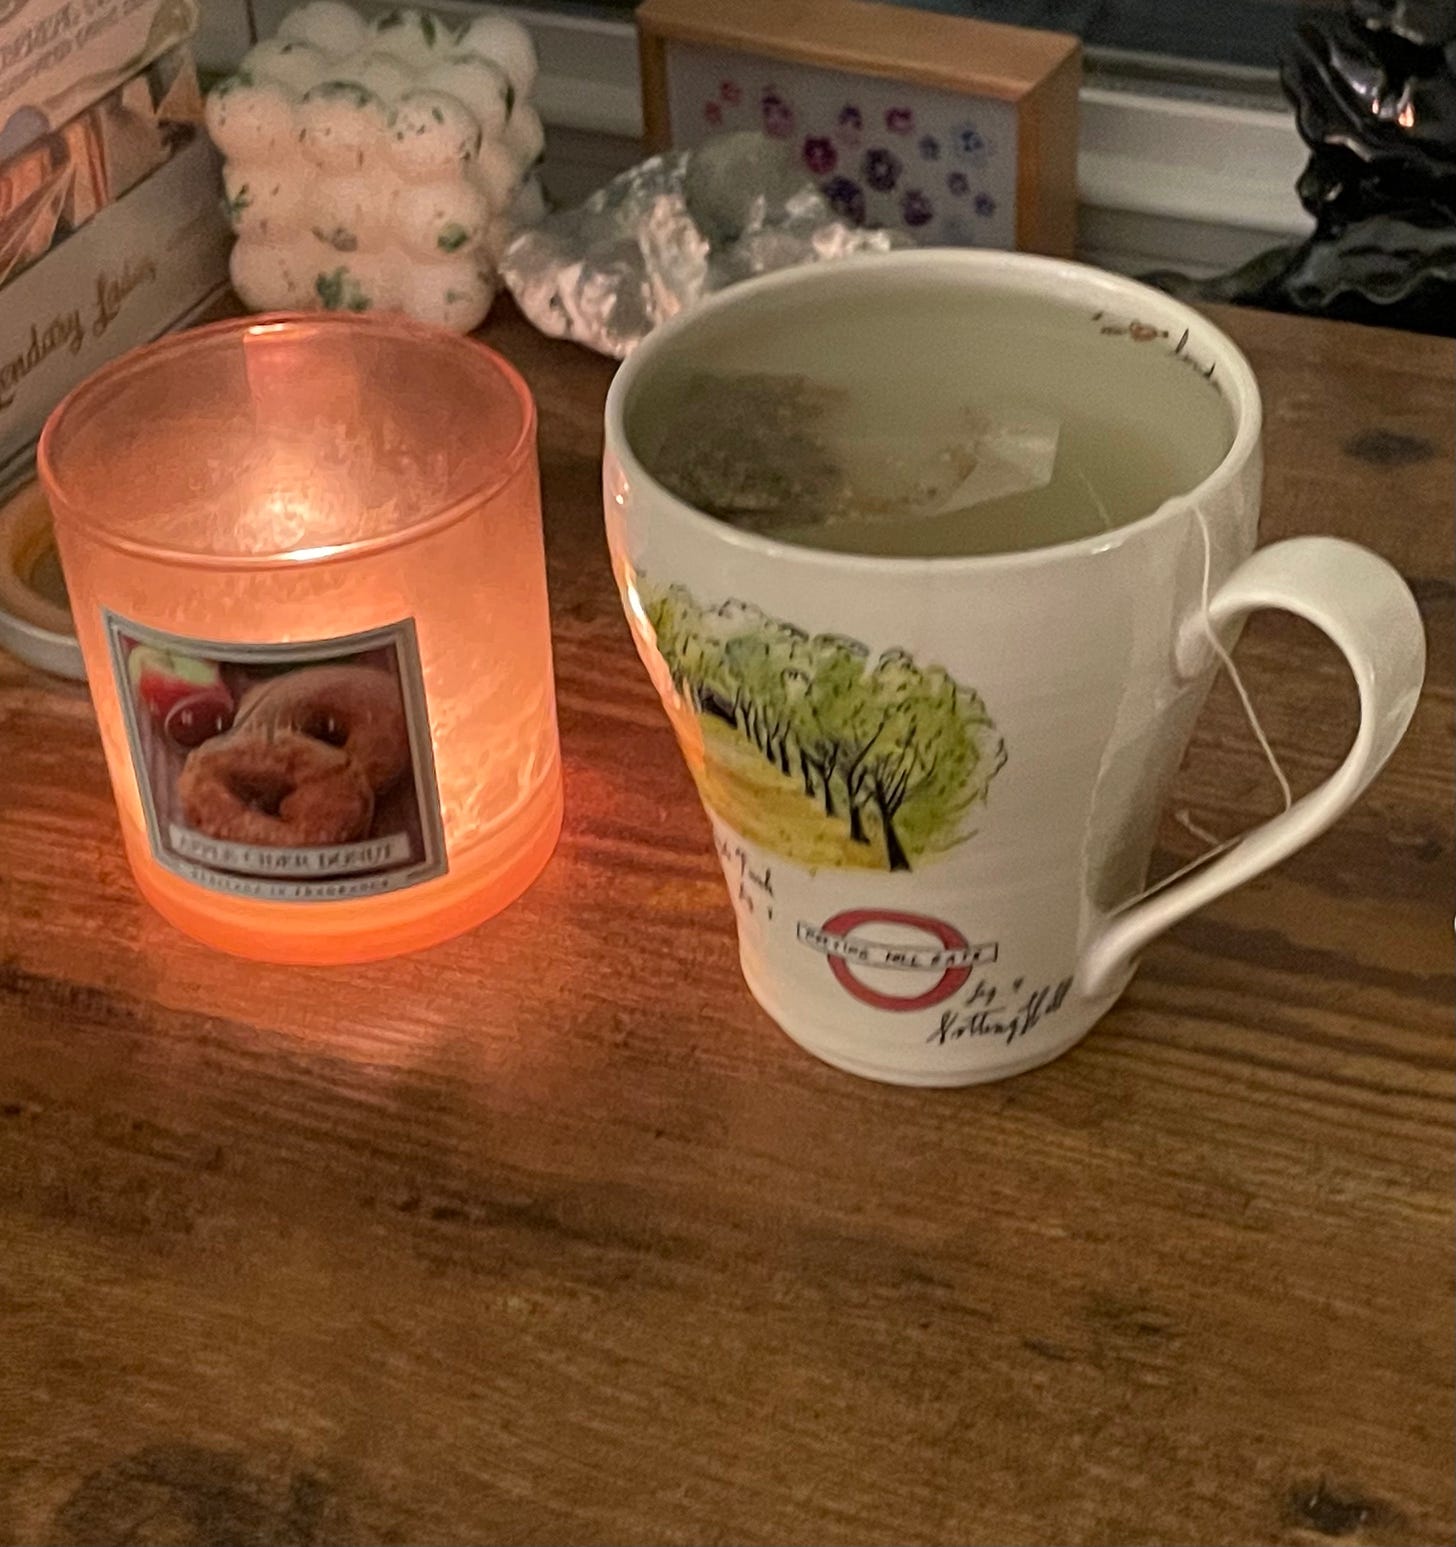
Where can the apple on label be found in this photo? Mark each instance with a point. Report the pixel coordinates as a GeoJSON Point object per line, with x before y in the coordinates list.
{"type": "Point", "coordinates": [191, 721]}
{"type": "Point", "coordinates": [184, 695]}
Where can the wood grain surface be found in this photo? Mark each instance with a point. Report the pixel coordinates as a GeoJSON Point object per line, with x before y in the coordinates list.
{"type": "Point", "coordinates": [548, 1236]}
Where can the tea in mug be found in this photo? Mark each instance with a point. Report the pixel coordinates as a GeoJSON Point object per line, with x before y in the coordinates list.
{"type": "Point", "coordinates": [931, 426]}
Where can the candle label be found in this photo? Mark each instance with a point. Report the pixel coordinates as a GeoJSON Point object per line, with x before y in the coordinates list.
{"type": "Point", "coordinates": [300, 772]}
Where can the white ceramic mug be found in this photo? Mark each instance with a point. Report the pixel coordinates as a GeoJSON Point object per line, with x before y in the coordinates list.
{"type": "Point", "coordinates": [1064, 682]}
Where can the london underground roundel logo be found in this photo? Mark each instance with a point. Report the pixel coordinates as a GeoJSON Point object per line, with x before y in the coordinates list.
{"type": "Point", "coordinates": [871, 951]}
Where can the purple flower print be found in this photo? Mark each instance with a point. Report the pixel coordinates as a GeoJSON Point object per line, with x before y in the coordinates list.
{"type": "Point", "coordinates": [959, 184]}
{"type": "Point", "coordinates": [899, 120]}
{"type": "Point", "coordinates": [984, 205]}
{"type": "Point", "coordinates": [850, 122]}
{"type": "Point", "coordinates": [929, 148]}
{"type": "Point", "coordinates": [846, 198]}
{"type": "Point", "coordinates": [881, 169]}
{"type": "Point", "coordinates": [820, 155]}
{"type": "Point", "coordinates": [713, 112]}
{"type": "Point", "coordinates": [970, 144]}
{"type": "Point", "coordinates": [778, 116]}
{"type": "Point", "coordinates": [731, 92]}
{"type": "Point", "coordinates": [915, 208]}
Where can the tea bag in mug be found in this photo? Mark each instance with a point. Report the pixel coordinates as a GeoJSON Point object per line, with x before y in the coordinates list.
{"type": "Point", "coordinates": [782, 453]}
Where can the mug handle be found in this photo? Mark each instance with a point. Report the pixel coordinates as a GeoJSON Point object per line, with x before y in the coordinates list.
{"type": "Point", "coordinates": [1364, 606]}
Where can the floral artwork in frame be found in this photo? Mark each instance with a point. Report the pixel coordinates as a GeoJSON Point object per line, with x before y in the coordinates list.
{"type": "Point", "coordinates": [942, 138]}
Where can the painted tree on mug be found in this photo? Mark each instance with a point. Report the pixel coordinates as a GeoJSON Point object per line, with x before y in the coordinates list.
{"type": "Point", "coordinates": [898, 752]}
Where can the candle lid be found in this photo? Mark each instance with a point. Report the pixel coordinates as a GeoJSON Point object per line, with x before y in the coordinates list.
{"type": "Point", "coordinates": [35, 615]}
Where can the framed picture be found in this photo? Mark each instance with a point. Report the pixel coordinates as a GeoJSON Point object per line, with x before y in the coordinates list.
{"type": "Point", "coordinates": [958, 131]}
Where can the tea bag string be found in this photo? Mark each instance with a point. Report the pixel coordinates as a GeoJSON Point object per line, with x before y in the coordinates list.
{"type": "Point", "coordinates": [1227, 662]}
{"type": "Point", "coordinates": [1228, 665]}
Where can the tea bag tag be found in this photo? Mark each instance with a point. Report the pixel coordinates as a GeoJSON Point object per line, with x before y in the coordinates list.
{"type": "Point", "coordinates": [1015, 453]}
{"type": "Point", "coordinates": [966, 461]}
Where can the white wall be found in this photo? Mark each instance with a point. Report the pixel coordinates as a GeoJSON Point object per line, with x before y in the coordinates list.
{"type": "Point", "coordinates": [222, 34]}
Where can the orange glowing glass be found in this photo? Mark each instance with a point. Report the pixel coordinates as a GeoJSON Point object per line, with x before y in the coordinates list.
{"type": "Point", "coordinates": [304, 558]}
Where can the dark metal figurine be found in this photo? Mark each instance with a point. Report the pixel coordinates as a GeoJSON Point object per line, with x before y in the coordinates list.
{"type": "Point", "coordinates": [1375, 94]}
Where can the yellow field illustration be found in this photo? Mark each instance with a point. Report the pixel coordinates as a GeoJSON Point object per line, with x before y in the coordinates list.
{"type": "Point", "coordinates": [809, 748]}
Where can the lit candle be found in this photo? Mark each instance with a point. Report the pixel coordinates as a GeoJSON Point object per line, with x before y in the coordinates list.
{"type": "Point", "coordinates": [305, 563]}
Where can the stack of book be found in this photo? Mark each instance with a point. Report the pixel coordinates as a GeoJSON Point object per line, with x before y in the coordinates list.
{"type": "Point", "coordinates": [110, 226]}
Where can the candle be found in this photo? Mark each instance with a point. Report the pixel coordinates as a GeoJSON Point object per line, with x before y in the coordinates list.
{"type": "Point", "coordinates": [305, 563]}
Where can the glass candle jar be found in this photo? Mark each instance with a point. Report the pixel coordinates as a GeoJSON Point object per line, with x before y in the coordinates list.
{"type": "Point", "coordinates": [305, 563]}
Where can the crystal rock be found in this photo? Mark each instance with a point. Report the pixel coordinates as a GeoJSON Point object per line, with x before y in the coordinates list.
{"type": "Point", "coordinates": [669, 231]}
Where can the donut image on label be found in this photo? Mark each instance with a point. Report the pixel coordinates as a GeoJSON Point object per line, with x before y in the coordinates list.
{"type": "Point", "coordinates": [288, 773]}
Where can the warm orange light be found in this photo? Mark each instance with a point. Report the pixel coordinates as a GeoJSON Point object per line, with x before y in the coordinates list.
{"type": "Point", "coordinates": [305, 562]}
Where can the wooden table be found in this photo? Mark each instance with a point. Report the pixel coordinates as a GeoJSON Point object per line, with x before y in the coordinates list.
{"type": "Point", "coordinates": [547, 1235]}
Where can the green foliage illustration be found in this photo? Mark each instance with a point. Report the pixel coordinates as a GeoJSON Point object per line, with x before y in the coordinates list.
{"type": "Point", "coordinates": [884, 759]}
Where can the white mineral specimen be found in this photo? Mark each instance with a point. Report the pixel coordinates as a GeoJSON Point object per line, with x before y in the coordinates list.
{"type": "Point", "coordinates": [380, 165]}
{"type": "Point", "coordinates": [667, 232]}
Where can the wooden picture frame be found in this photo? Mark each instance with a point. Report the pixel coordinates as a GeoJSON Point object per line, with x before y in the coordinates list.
{"type": "Point", "coordinates": [959, 131]}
